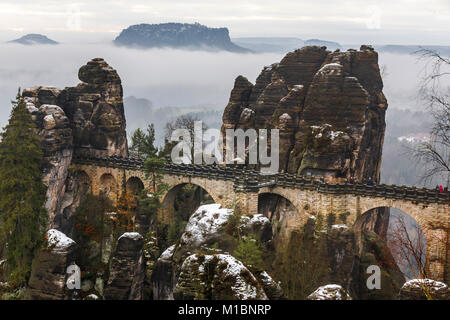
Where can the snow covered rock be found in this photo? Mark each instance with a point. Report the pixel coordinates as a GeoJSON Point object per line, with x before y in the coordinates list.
{"type": "Point", "coordinates": [330, 292]}
{"type": "Point", "coordinates": [258, 225]}
{"type": "Point", "coordinates": [415, 290]}
{"type": "Point", "coordinates": [205, 223]}
{"type": "Point", "coordinates": [217, 277]}
{"type": "Point", "coordinates": [91, 297]}
{"type": "Point", "coordinates": [168, 253]}
{"type": "Point", "coordinates": [205, 228]}
{"type": "Point", "coordinates": [163, 277]}
{"type": "Point", "coordinates": [272, 289]}
{"type": "Point", "coordinates": [58, 240]}
{"type": "Point", "coordinates": [48, 275]}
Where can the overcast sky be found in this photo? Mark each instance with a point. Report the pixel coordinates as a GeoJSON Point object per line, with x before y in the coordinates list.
{"type": "Point", "coordinates": [345, 21]}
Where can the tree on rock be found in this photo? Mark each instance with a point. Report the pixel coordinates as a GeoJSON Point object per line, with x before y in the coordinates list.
{"type": "Point", "coordinates": [144, 143]}
{"type": "Point", "coordinates": [23, 218]}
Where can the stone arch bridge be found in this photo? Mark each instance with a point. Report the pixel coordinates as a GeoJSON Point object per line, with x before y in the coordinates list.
{"type": "Point", "coordinates": [229, 186]}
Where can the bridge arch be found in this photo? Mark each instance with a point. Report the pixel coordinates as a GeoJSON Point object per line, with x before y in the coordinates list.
{"type": "Point", "coordinates": [134, 185]}
{"type": "Point", "coordinates": [435, 235]}
{"type": "Point", "coordinates": [298, 200]}
{"type": "Point", "coordinates": [108, 186]}
{"type": "Point", "coordinates": [84, 182]}
{"type": "Point", "coordinates": [169, 205]}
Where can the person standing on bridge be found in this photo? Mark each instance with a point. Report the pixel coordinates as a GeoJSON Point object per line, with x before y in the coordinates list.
{"type": "Point", "coordinates": [370, 182]}
{"type": "Point", "coordinates": [441, 189]}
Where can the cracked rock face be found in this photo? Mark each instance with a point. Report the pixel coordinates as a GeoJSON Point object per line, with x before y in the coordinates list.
{"type": "Point", "coordinates": [231, 280]}
{"type": "Point", "coordinates": [48, 277]}
{"type": "Point", "coordinates": [93, 111]}
{"type": "Point", "coordinates": [328, 106]}
{"type": "Point", "coordinates": [127, 269]}
{"type": "Point", "coordinates": [86, 119]}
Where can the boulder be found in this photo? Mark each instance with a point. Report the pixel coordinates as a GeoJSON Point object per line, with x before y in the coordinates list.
{"type": "Point", "coordinates": [423, 289]}
{"type": "Point", "coordinates": [330, 292]}
{"type": "Point", "coordinates": [48, 274]}
{"type": "Point", "coordinates": [216, 277]}
{"type": "Point", "coordinates": [205, 227]}
{"type": "Point", "coordinates": [271, 288]}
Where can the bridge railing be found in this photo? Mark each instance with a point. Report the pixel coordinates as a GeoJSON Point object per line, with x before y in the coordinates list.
{"type": "Point", "coordinates": [247, 179]}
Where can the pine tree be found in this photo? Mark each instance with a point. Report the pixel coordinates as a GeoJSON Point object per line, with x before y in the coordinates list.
{"type": "Point", "coordinates": [23, 218]}
{"type": "Point", "coordinates": [249, 252]}
{"type": "Point", "coordinates": [144, 143]}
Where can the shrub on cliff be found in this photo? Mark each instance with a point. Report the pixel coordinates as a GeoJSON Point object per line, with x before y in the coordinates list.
{"type": "Point", "coordinates": [23, 218]}
{"type": "Point", "coordinates": [249, 252]}
{"type": "Point", "coordinates": [144, 143]}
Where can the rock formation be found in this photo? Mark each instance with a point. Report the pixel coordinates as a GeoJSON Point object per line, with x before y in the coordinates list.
{"type": "Point", "coordinates": [330, 292]}
{"type": "Point", "coordinates": [328, 106]}
{"type": "Point", "coordinates": [231, 280]}
{"type": "Point", "coordinates": [48, 276]}
{"type": "Point", "coordinates": [127, 269]}
{"type": "Point", "coordinates": [416, 289]}
{"type": "Point", "coordinates": [206, 244]}
{"type": "Point", "coordinates": [86, 119]}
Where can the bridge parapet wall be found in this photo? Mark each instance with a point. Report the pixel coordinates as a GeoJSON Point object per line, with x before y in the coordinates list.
{"type": "Point", "coordinates": [248, 179]}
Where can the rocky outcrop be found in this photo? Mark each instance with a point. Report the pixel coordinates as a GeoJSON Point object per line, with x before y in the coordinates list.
{"type": "Point", "coordinates": [127, 269]}
{"type": "Point", "coordinates": [330, 292]}
{"type": "Point", "coordinates": [423, 289]}
{"type": "Point", "coordinates": [208, 244]}
{"type": "Point", "coordinates": [216, 277]}
{"type": "Point", "coordinates": [163, 278]}
{"type": "Point", "coordinates": [48, 276]}
{"type": "Point", "coordinates": [86, 119]}
{"type": "Point", "coordinates": [328, 106]}
{"type": "Point", "coordinates": [371, 249]}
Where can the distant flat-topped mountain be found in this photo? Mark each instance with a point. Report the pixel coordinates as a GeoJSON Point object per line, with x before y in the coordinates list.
{"type": "Point", "coordinates": [32, 39]}
{"type": "Point", "coordinates": [177, 35]}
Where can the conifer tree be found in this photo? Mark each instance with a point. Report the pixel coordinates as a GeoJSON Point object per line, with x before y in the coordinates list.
{"type": "Point", "coordinates": [23, 218]}
{"type": "Point", "coordinates": [144, 143]}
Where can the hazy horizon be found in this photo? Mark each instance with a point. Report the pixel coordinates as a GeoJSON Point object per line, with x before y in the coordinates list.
{"type": "Point", "coordinates": [406, 22]}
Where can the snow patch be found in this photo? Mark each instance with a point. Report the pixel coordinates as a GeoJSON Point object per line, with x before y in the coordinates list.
{"type": "Point", "coordinates": [285, 117]}
{"type": "Point", "coordinates": [168, 253]}
{"type": "Point", "coordinates": [330, 66]}
{"type": "Point", "coordinates": [339, 226]}
{"type": "Point", "coordinates": [131, 235]}
{"type": "Point", "coordinates": [329, 292]}
{"type": "Point", "coordinates": [58, 239]}
{"type": "Point", "coordinates": [431, 284]}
